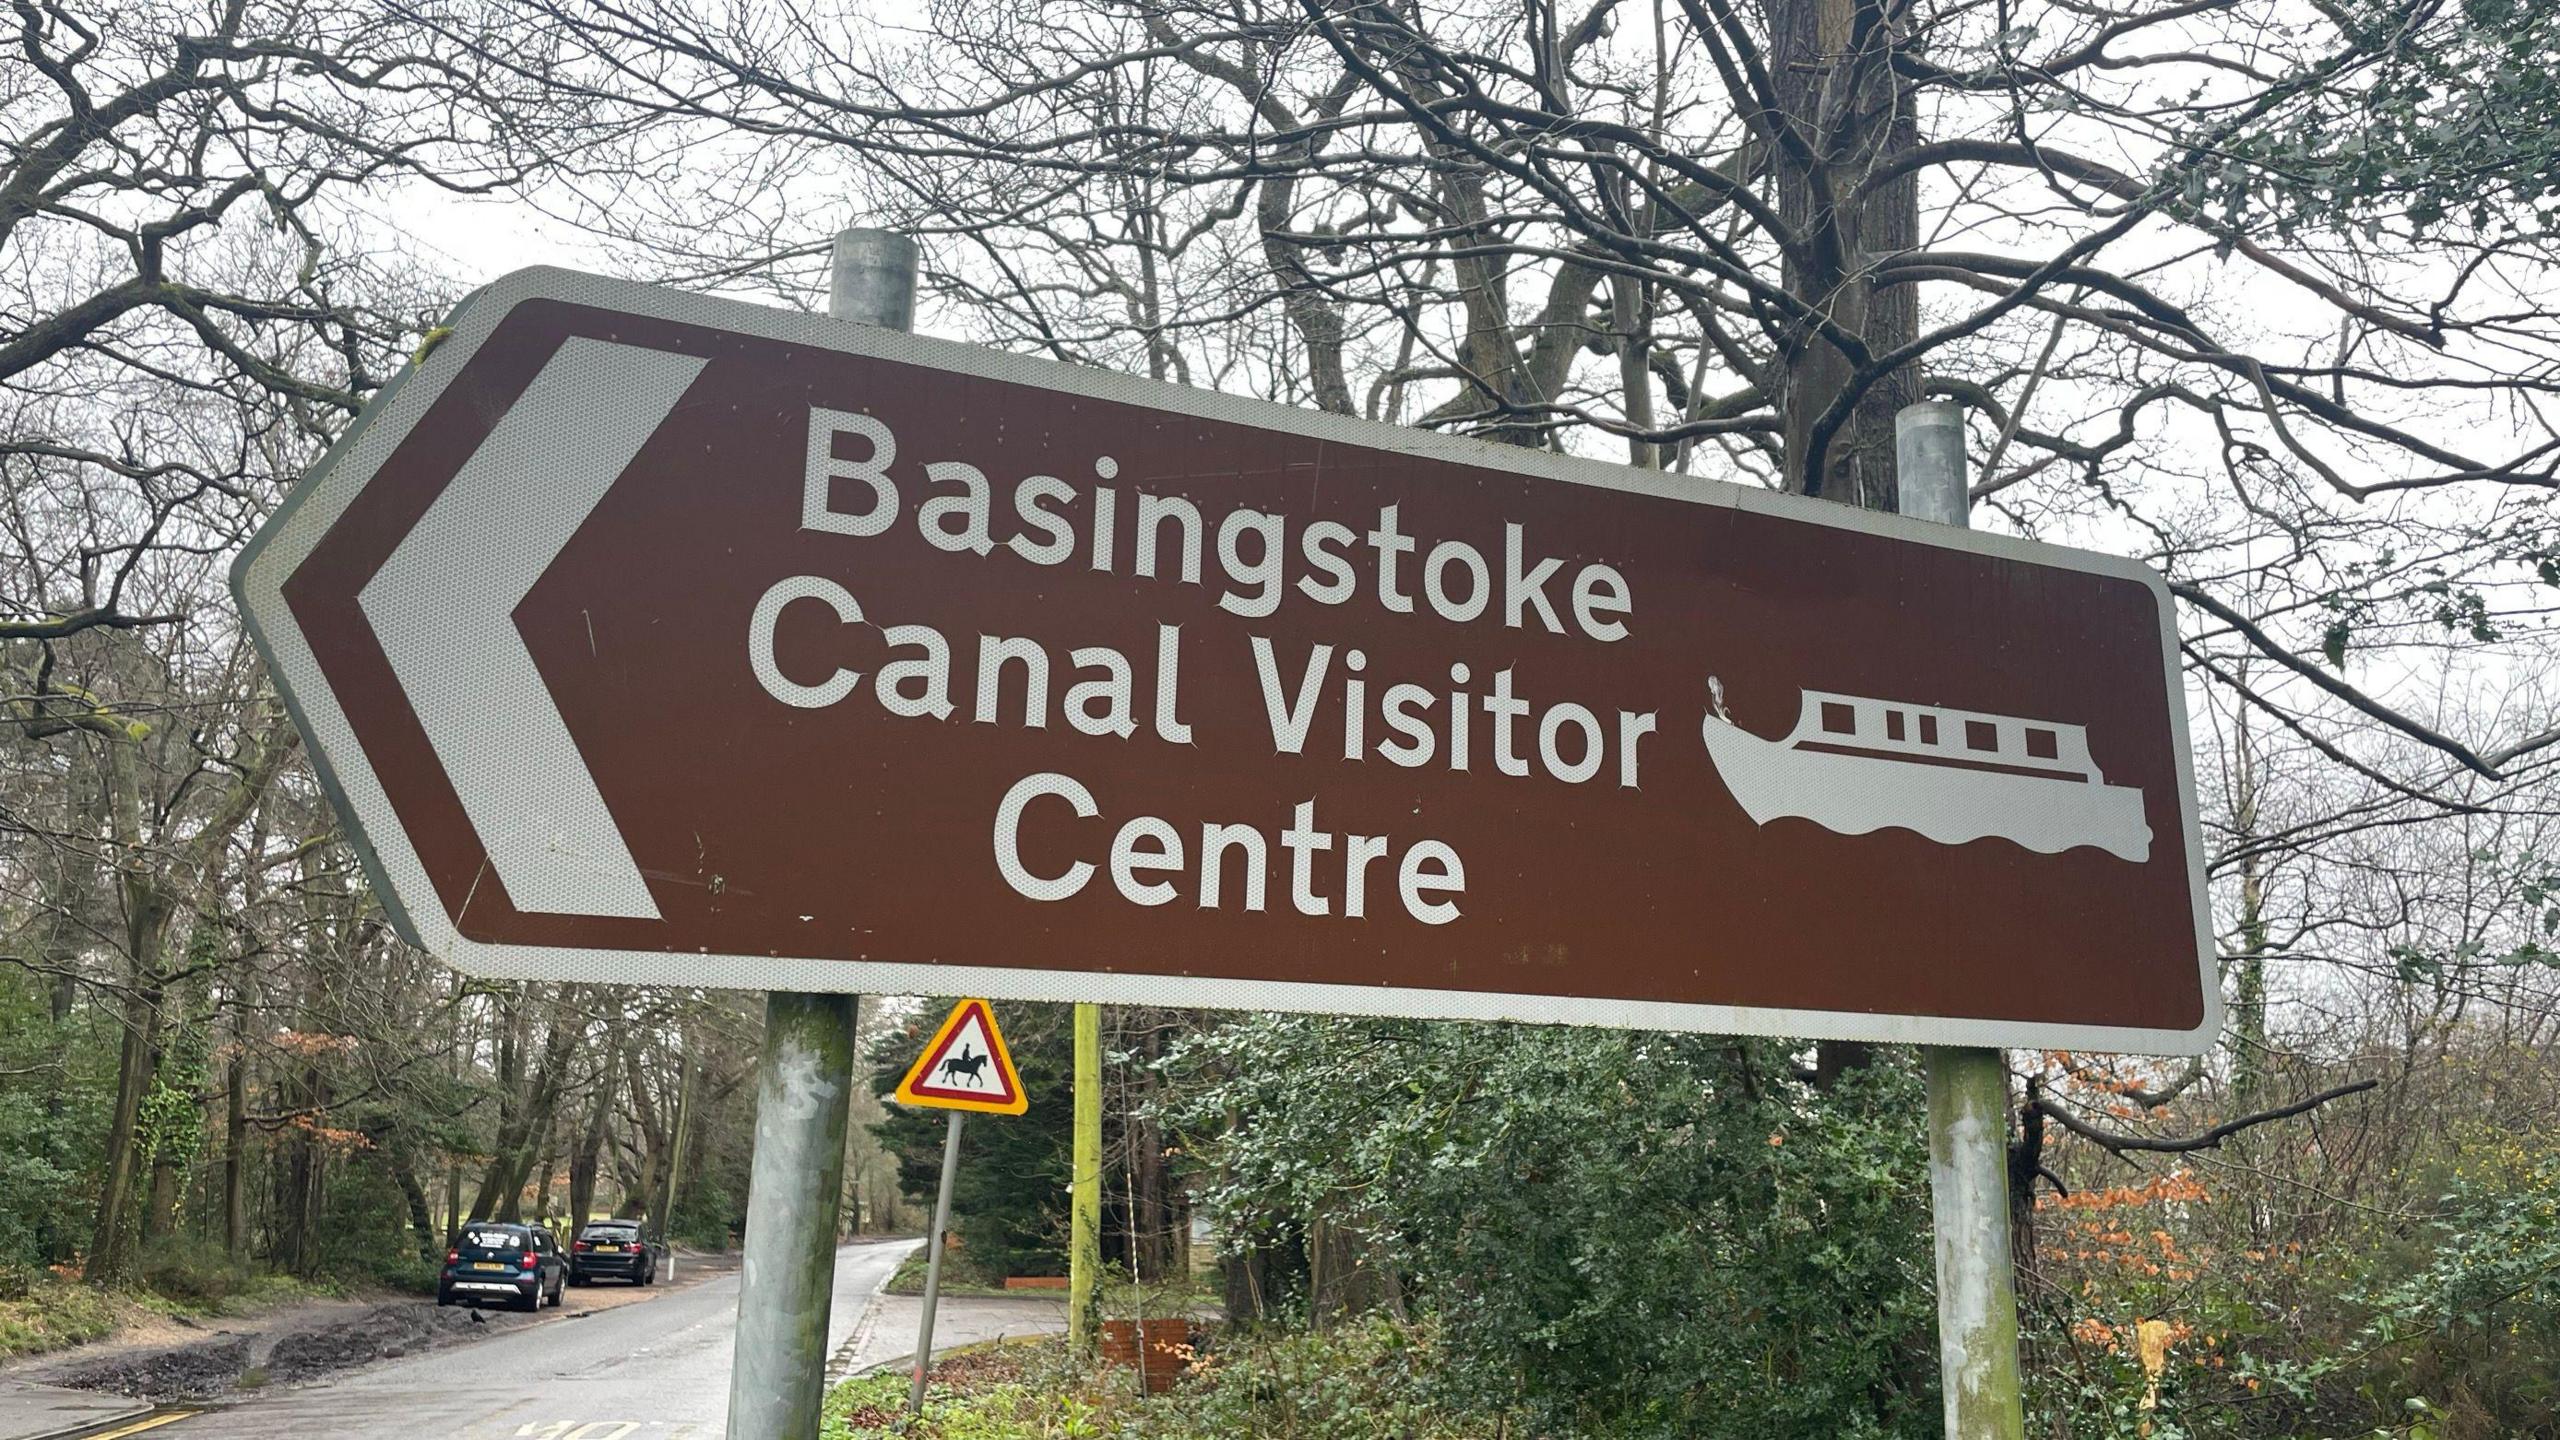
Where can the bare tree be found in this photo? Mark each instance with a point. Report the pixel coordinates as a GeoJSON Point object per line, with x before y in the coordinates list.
{"type": "Point", "coordinates": [1710, 237]}
{"type": "Point", "coordinates": [195, 297]}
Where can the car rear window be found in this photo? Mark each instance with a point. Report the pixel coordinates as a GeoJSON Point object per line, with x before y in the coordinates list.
{"type": "Point", "coordinates": [493, 1239]}
{"type": "Point", "coordinates": [610, 1232]}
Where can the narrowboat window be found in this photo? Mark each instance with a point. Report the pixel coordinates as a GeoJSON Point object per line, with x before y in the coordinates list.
{"type": "Point", "coordinates": [1928, 729]}
{"type": "Point", "coordinates": [1981, 735]}
{"type": "Point", "coordinates": [2042, 744]}
{"type": "Point", "coordinates": [1893, 724]}
{"type": "Point", "coordinates": [1839, 719]}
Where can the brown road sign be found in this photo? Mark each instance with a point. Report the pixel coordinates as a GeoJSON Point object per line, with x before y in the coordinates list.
{"type": "Point", "coordinates": [654, 638]}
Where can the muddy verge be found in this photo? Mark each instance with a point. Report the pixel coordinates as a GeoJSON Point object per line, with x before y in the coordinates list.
{"type": "Point", "coordinates": [385, 1333]}
{"type": "Point", "coordinates": [197, 1371]}
{"type": "Point", "coordinates": [239, 1364]}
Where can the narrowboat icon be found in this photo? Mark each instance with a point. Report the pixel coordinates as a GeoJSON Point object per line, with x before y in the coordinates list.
{"type": "Point", "coordinates": [1855, 765]}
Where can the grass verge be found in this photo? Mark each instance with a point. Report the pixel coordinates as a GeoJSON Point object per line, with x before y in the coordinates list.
{"type": "Point", "coordinates": [44, 1312]}
{"type": "Point", "coordinates": [956, 1279]}
{"type": "Point", "coordinates": [1119, 1296]}
{"type": "Point", "coordinates": [41, 1311]}
{"type": "Point", "coordinates": [1366, 1381]}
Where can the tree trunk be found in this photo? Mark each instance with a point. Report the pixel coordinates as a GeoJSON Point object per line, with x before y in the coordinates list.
{"type": "Point", "coordinates": [1841, 51]}
{"type": "Point", "coordinates": [300, 1176]}
{"type": "Point", "coordinates": [584, 1160]}
{"type": "Point", "coordinates": [663, 1209]}
{"type": "Point", "coordinates": [1263, 1272]}
{"type": "Point", "coordinates": [160, 1208]}
{"type": "Point", "coordinates": [641, 1193]}
{"type": "Point", "coordinates": [404, 1172]}
{"type": "Point", "coordinates": [293, 1161]}
{"type": "Point", "coordinates": [546, 1168]}
{"type": "Point", "coordinates": [111, 1248]}
{"type": "Point", "coordinates": [1831, 62]}
{"type": "Point", "coordinates": [2249, 982]}
{"type": "Point", "coordinates": [1151, 1209]}
{"type": "Point", "coordinates": [235, 1156]}
{"type": "Point", "coordinates": [521, 1135]}
{"type": "Point", "coordinates": [146, 914]}
{"type": "Point", "coordinates": [1245, 1283]}
{"type": "Point", "coordinates": [456, 1046]}
{"type": "Point", "coordinates": [150, 902]}
{"type": "Point", "coordinates": [510, 1071]}
{"type": "Point", "coordinates": [1344, 1277]}
{"type": "Point", "coordinates": [1629, 316]}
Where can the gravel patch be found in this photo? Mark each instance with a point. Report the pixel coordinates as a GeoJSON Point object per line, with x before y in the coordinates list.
{"type": "Point", "coordinates": [198, 1371]}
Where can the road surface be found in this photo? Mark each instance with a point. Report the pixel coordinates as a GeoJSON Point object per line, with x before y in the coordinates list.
{"type": "Point", "coordinates": [657, 1371]}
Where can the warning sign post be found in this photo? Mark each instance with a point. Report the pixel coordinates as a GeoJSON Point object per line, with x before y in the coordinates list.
{"type": "Point", "coordinates": [964, 1067]}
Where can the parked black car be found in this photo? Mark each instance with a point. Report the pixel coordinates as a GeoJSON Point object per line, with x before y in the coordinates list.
{"type": "Point", "coordinates": [612, 1249]}
{"type": "Point", "coordinates": [519, 1265]}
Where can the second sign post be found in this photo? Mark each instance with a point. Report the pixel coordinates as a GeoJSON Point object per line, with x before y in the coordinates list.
{"type": "Point", "coordinates": [965, 1067]}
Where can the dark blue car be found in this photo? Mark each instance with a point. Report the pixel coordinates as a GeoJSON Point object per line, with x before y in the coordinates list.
{"type": "Point", "coordinates": [496, 1263]}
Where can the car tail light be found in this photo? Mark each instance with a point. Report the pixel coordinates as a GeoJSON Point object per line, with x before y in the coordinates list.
{"type": "Point", "coordinates": [583, 1245]}
{"type": "Point", "coordinates": [451, 1256]}
{"type": "Point", "coordinates": [530, 1260]}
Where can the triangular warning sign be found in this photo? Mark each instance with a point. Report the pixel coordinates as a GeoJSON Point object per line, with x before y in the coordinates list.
{"type": "Point", "coordinates": [966, 1067]}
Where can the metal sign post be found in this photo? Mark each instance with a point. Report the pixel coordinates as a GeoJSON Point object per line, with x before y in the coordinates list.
{"type": "Point", "coordinates": [1977, 1281]}
{"type": "Point", "coordinates": [1084, 1186]}
{"type": "Point", "coordinates": [1968, 1087]}
{"type": "Point", "coordinates": [777, 1382]}
{"type": "Point", "coordinates": [786, 1286]}
{"type": "Point", "coordinates": [933, 1262]}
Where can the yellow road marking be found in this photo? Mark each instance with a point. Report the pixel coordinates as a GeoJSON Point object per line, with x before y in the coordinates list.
{"type": "Point", "coordinates": [154, 1423]}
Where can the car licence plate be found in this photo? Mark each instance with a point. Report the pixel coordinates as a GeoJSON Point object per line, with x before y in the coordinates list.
{"type": "Point", "coordinates": [489, 1265]}
{"type": "Point", "coordinates": [608, 1249]}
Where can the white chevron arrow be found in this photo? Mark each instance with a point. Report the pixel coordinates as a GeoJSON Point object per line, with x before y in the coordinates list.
{"type": "Point", "coordinates": [444, 608]}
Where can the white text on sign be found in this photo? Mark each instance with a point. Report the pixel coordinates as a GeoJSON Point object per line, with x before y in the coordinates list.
{"type": "Point", "coordinates": [1406, 721]}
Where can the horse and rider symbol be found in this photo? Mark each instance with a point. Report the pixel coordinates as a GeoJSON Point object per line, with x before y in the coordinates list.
{"type": "Point", "coordinates": [964, 1063]}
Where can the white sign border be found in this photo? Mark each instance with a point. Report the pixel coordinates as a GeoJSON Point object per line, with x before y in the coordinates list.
{"type": "Point", "coordinates": [315, 504]}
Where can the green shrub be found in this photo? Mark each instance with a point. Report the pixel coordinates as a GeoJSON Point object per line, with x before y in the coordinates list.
{"type": "Point", "coordinates": [2480, 1325]}
{"type": "Point", "coordinates": [50, 1129]}
{"type": "Point", "coordinates": [705, 1216]}
{"type": "Point", "coordinates": [1616, 1233]}
{"type": "Point", "coordinates": [397, 1270]}
{"type": "Point", "coordinates": [2457, 1346]}
{"type": "Point", "coordinates": [193, 1272]}
{"type": "Point", "coordinates": [43, 1197]}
